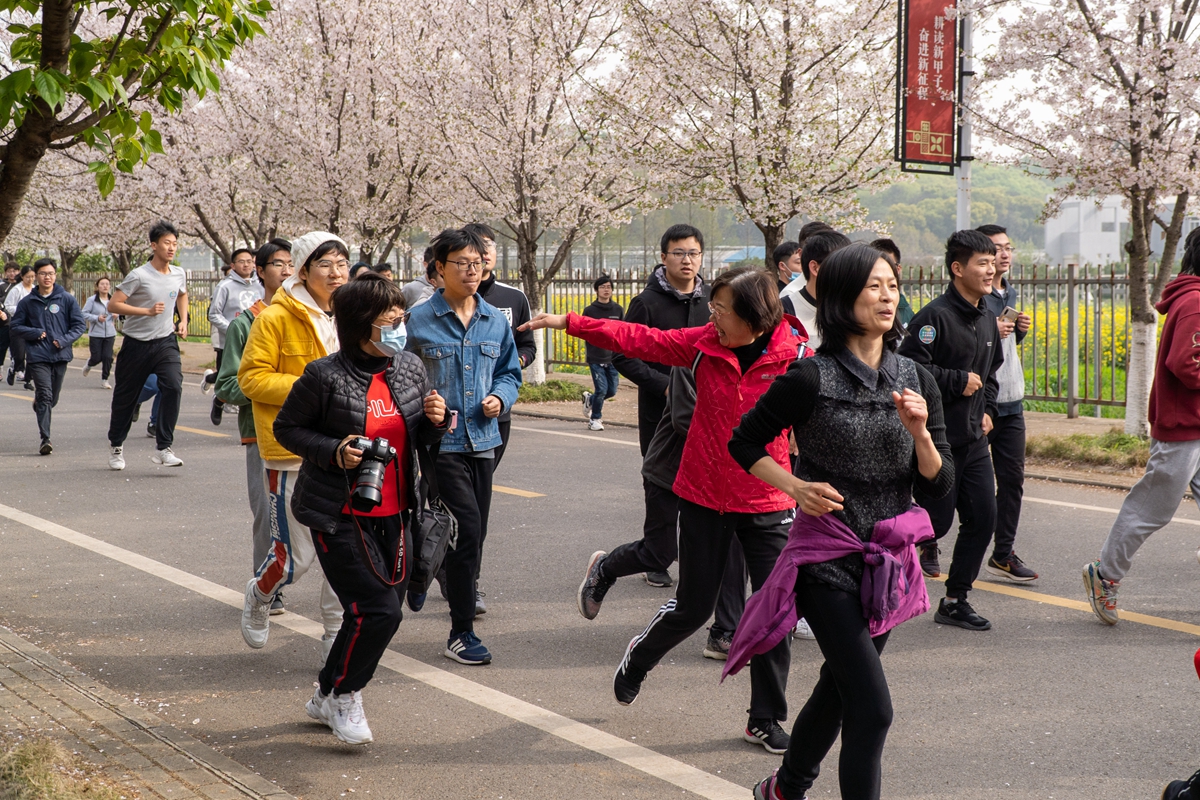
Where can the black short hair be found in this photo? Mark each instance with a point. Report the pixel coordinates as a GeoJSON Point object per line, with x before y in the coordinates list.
{"type": "Point", "coordinates": [887, 246]}
{"type": "Point", "coordinates": [1190, 264]}
{"type": "Point", "coordinates": [992, 229]}
{"type": "Point", "coordinates": [818, 247]}
{"type": "Point", "coordinates": [160, 229]}
{"type": "Point", "coordinates": [324, 249]}
{"type": "Point", "coordinates": [428, 260]}
{"type": "Point", "coordinates": [381, 267]}
{"type": "Point", "coordinates": [809, 229]}
{"type": "Point", "coordinates": [963, 244]}
{"type": "Point", "coordinates": [44, 262]}
{"type": "Point", "coordinates": [480, 230]}
{"type": "Point", "coordinates": [11, 265]}
{"type": "Point", "coordinates": [839, 283]}
{"type": "Point", "coordinates": [677, 233]}
{"type": "Point", "coordinates": [267, 251]}
{"type": "Point", "coordinates": [233, 256]}
{"type": "Point", "coordinates": [755, 297]}
{"type": "Point", "coordinates": [26, 269]}
{"type": "Point", "coordinates": [603, 279]}
{"type": "Point", "coordinates": [451, 240]}
{"type": "Point", "coordinates": [783, 252]}
{"type": "Point", "coordinates": [355, 306]}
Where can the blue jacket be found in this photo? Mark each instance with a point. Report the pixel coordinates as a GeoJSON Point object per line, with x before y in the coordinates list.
{"type": "Point", "coordinates": [467, 365]}
{"type": "Point", "coordinates": [57, 315]}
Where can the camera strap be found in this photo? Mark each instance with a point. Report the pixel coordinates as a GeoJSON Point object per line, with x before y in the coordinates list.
{"type": "Point", "coordinates": [400, 559]}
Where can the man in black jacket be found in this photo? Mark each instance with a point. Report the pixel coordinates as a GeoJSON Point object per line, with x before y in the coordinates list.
{"type": "Point", "coordinates": [955, 337]}
{"type": "Point", "coordinates": [675, 297]}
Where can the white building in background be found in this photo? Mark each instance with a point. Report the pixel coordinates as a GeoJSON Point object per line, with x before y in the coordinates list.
{"type": "Point", "coordinates": [1086, 233]}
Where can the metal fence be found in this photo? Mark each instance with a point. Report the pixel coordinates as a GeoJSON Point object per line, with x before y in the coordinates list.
{"type": "Point", "coordinates": [200, 288]}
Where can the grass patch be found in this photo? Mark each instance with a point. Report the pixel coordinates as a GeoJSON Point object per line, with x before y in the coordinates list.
{"type": "Point", "coordinates": [549, 392]}
{"type": "Point", "coordinates": [41, 769]}
{"type": "Point", "coordinates": [573, 369]}
{"type": "Point", "coordinates": [1112, 449]}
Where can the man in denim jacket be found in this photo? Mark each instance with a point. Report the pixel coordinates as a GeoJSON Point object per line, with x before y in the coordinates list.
{"type": "Point", "coordinates": [469, 353]}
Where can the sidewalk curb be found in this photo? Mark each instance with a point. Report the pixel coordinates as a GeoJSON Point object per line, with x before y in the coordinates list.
{"type": "Point", "coordinates": [1086, 482]}
{"type": "Point", "coordinates": [520, 412]}
{"type": "Point", "coordinates": [146, 737]}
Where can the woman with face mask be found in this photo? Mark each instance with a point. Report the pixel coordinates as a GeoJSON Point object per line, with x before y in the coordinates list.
{"type": "Point", "coordinates": [370, 389]}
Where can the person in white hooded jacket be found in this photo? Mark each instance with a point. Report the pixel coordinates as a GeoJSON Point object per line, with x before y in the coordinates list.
{"type": "Point", "coordinates": [236, 292]}
{"type": "Point", "coordinates": [296, 329]}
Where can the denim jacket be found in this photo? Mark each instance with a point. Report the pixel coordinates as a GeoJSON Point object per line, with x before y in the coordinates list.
{"type": "Point", "coordinates": [465, 366]}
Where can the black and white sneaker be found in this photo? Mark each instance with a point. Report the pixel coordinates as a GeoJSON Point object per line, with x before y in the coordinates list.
{"type": "Point", "coordinates": [594, 587]}
{"type": "Point", "coordinates": [47, 448]}
{"type": "Point", "coordinates": [961, 614]}
{"type": "Point", "coordinates": [767, 733]}
{"type": "Point", "coordinates": [718, 644]}
{"type": "Point", "coordinates": [627, 682]}
{"type": "Point", "coordinates": [1183, 790]}
{"type": "Point", "coordinates": [661, 579]}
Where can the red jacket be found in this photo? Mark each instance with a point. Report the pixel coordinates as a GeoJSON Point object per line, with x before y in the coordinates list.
{"type": "Point", "coordinates": [708, 475]}
{"type": "Point", "coordinates": [1175, 394]}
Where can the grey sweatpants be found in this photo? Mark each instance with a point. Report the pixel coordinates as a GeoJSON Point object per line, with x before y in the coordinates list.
{"type": "Point", "coordinates": [260, 505]}
{"type": "Point", "coordinates": [1172, 468]}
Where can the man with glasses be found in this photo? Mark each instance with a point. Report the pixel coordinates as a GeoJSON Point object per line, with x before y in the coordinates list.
{"type": "Point", "coordinates": [49, 320]}
{"type": "Point", "coordinates": [1007, 437]}
{"type": "Point", "coordinates": [234, 294]}
{"type": "Point", "coordinates": [148, 299]}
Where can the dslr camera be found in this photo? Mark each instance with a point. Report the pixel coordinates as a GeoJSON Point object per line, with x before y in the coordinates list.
{"type": "Point", "coordinates": [367, 491]}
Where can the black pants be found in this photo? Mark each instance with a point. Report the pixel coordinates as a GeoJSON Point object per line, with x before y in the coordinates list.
{"type": "Point", "coordinates": [659, 545]}
{"type": "Point", "coordinates": [704, 537]}
{"type": "Point", "coordinates": [47, 383]}
{"type": "Point", "coordinates": [974, 497]}
{"type": "Point", "coordinates": [851, 696]}
{"type": "Point", "coordinates": [1008, 461]}
{"type": "Point", "coordinates": [136, 362]}
{"type": "Point", "coordinates": [212, 377]}
{"type": "Point", "coordinates": [466, 487]}
{"type": "Point", "coordinates": [101, 353]}
{"type": "Point", "coordinates": [17, 346]}
{"type": "Point", "coordinates": [5, 340]}
{"type": "Point", "coordinates": [371, 611]}
{"type": "Point", "coordinates": [505, 426]}
{"type": "Point", "coordinates": [731, 602]}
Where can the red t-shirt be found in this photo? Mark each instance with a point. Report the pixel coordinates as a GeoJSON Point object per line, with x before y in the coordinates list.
{"type": "Point", "coordinates": [384, 419]}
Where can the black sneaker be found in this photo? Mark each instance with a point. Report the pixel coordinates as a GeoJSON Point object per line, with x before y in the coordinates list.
{"type": "Point", "coordinates": [627, 682]}
{"type": "Point", "coordinates": [718, 645]}
{"type": "Point", "coordinates": [277, 605]}
{"type": "Point", "coordinates": [1183, 790]}
{"type": "Point", "coordinates": [662, 579]}
{"type": "Point", "coordinates": [218, 408]}
{"type": "Point", "coordinates": [594, 587]}
{"type": "Point", "coordinates": [767, 733]}
{"type": "Point", "coordinates": [29, 386]}
{"type": "Point", "coordinates": [46, 448]}
{"type": "Point", "coordinates": [929, 560]}
{"type": "Point", "coordinates": [1012, 568]}
{"type": "Point", "coordinates": [961, 614]}
{"type": "Point", "coordinates": [137, 412]}
{"type": "Point", "coordinates": [151, 433]}
{"type": "Point", "coordinates": [12, 376]}
{"type": "Point", "coordinates": [480, 606]}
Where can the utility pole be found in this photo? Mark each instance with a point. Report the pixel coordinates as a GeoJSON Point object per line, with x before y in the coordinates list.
{"type": "Point", "coordinates": [967, 71]}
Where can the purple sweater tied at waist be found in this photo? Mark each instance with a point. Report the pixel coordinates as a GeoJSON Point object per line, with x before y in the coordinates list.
{"type": "Point", "coordinates": [893, 589]}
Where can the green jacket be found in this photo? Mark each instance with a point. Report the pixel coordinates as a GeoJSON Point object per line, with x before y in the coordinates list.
{"type": "Point", "coordinates": [904, 311]}
{"type": "Point", "coordinates": [227, 385]}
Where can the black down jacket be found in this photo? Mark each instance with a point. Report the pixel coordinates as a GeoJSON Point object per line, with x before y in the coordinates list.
{"type": "Point", "coordinates": [327, 404]}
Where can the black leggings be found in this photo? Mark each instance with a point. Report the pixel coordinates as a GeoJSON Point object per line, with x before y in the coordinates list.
{"type": "Point", "coordinates": [851, 696]}
{"type": "Point", "coordinates": [101, 348]}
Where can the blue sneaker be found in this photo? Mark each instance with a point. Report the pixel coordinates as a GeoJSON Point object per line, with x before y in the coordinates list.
{"type": "Point", "coordinates": [465, 648]}
{"type": "Point", "coordinates": [416, 600]}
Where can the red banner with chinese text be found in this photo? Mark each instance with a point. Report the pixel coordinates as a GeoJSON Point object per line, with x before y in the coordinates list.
{"type": "Point", "coordinates": [927, 94]}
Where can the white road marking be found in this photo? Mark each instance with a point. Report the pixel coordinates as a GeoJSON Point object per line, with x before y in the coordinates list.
{"type": "Point", "coordinates": [1103, 509]}
{"type": "Point", "coordinates": [575, 436]}
{"type": "Point", "coordinates": [640, 758]}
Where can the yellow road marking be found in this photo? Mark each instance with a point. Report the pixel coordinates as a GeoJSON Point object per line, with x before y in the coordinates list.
{"type": "Point", "coordinates": [517, 492]}
{"type": "Point", "coordinates": [18, 396]}
{"type": "Point", "coordinates": [202, 432]}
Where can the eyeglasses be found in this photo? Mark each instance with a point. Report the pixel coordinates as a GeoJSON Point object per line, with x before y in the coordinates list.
{"type": "Point", "coordinates": [716, 312]}
{"type": "Point", "coordinates": [686, 255]}
{"type": "Point", "coordinates": [395, 325]}
{"type": "Point", "coordinates": [1004, 248]}
{"type": "Point", "coordinates": [245, 262]}
{"type": "Point", "coordinates": [467, 266]}
{"type": "Point", "coordinates": [277, 264]}
{"type": "Point", "coordinates": [326, 266]}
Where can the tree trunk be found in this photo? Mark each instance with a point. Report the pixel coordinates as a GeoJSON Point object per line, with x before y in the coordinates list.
{"type": "Point", "coordinates": [527, 248]}
{"type": "Point", "coordinates": [1139, 371]}
{"type": "Point", "coordinates": [772, 238]}
{"type": "Point", "coordinates": [1139, 375]}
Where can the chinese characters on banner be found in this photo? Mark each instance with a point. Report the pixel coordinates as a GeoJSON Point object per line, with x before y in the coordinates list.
{"type": "Point", "coordinates": [927, 94]}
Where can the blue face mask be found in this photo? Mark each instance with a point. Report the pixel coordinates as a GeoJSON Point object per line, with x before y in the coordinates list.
{"type": "Point", "coordinates": [795, 275]}
{"type": "Point", "coordinates": [391, 340]}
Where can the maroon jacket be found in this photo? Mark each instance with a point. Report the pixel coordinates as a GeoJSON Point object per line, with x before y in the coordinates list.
{"type": "Point", "coordinates": [1175, 395]}
{"type": "Point", "coordinates": [708, 475]}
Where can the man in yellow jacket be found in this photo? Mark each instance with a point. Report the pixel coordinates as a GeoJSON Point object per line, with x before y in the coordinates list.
{"type": "Point", "coordinates": [295, 329]}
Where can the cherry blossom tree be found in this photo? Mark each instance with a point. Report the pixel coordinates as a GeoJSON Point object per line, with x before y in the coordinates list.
{"type": "Point", "coordinates": [1109, 93]}
{"type": "Point", "coordinates": [782, 106]}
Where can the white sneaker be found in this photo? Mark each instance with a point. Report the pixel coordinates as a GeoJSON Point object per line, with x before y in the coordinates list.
{"type": "Point", "coordinates": [20, 376]}
{"type": "Point", "coordinates": [166, 458]}
{"type": "Point", "coordinates": [256, 622]}
{"type": "Point", "coordinates": [116, 458]}
{"type": "Point", "coordinates": [317, 706]}
{"type": "Point", "coordinates": [86, 369]}
{"type": "Point", "coordinates": [326, 646]}
{"type": "Point", "coordinates": [205, 386]}
{"type": "Point", "coordinates": [802, 631]}
{"type": "Point", "coordinates": [595, 425]}
{"type": "Point", "coordinates": [105, 385]}
{"type": "Point", "coordinates": [345, 717]}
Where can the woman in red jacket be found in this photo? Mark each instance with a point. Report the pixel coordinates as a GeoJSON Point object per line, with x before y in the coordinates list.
{"type": "Point", "coordinates": [736, 356]}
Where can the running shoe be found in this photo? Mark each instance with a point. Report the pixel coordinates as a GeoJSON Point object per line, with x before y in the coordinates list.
{"type": "Point", "coordinates": [661, 579]}
{"type": "Point", "coordinates": [627, 682]}
{"type": "Point", "coordinates": [86, 369]}
{"type": "Point", "coordinates": [277, 605]}
{"type": "Point", "coordinates": [465, 648]}
{"type": "Point", "coordinates": [1012, 568]}
{"type": "Point", "coordinates": [345, 716]}
{"type": "Point", "coordinates": [218, 408]}
{"type": "Point", "coordinates": [105, 385]}
{"type": "Point", "coordinates": [316, 706]}
{"type": "Point", "coordinates": [802, 631]}
{"type": "Point", "coordinates": [116, 458]}
{"type": "Point", "coordinates": [929, 560]}
{"type": "Point", "coordinates": [416, 600]}
{"type": "Point", "coordinates": [768, 789]}
{"type": "Point", "coordinates": [595, 425]}
{"type": "Point", "coordinates": [594, 587]}
{"type": "Point", "coordinates": [166, 458]}
{"type": "Point", "coordinates": [961, 614]}
{"type": "Point", "coordinates": [1183, 790]}
{"type": "Point", "coordinates": [20, 375]}
{"type": "Point", "coordinates": [1102, 594]}
{"type": "Point", "coordinates": [256, 625]}
{"type": "Point", "coordinates": [137, 412]}
{"type": "Point", "coordinates": [587, 401]}
{"type": "Point", "coordinates": [29, 387]}
{"type": "Point", "coordinates": [480, 606]}
{"type": "Point", "coordinates": [150, 432]}
{"type": "Point", "coordinates": [47, 448]}
{"type": "Point", "coordinates": [717, 646]}
{"type": "Point", "coordinates": [11, 376]}
{"type": "Point", "coordinates": [205, 385]}
{"type": "Point", "coordinates": [767, 733]}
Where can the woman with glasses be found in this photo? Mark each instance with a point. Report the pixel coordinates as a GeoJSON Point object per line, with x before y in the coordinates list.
{"type": "Point", "coordinates": [373, 389]}
{"type": "Point", "coordinates": [735, 358]}
{"type": "Point", "coordinates": [295, 330]}
{"type": "Point", "coordinates": [468, 349]}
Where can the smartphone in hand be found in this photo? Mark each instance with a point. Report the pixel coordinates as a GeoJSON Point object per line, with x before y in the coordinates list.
{"type": "Point", "coordinates": [1009, 314]}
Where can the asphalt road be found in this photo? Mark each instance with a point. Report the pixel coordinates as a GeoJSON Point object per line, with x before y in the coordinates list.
{"type": "Point", "coordinates": [1049, 704]}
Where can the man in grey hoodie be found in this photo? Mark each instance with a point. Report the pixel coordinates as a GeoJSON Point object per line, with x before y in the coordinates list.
{"type": "Point", "coordinates": [234, 294]}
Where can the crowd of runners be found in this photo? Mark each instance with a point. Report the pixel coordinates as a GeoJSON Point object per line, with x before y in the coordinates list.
{"type": "Point", "coordinates": [802, 430]}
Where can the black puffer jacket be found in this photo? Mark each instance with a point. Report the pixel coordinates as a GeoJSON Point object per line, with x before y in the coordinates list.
{"type": "Point", "coordinates": [329, 403]}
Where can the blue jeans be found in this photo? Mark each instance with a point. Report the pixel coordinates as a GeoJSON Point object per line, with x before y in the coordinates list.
{"type": "Point", "coordinates": [150, 389]}
{"type": "Point", "coordinates": [604, 380]}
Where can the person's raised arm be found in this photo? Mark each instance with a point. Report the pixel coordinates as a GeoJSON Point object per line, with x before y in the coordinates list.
{"type": "Point", "coordinates": [635, 369]}
{"type": "Point", "coordinates": [674, 348]}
